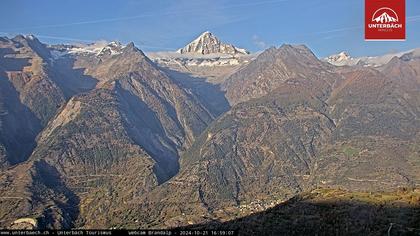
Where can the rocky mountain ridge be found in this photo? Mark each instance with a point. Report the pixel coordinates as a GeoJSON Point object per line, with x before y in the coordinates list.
{"type": "Point", "coordinates": [317, 126]}
{"type": "Point", "coordinates": [131, 119]}
{"type": "Point", "coordinates": [101, 136]}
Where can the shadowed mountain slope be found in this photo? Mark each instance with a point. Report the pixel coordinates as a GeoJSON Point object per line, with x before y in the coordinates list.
{"type": "Point", "coordinates": [123, 136]}
{"type": "Point", "coordinates": [121, 143]}
{"type": "Point", "coordinates": [355, 128]}
{"type": "Point", "coordinates": [331, 212]}
{"type": "Point", "coordinates": [28, 96]}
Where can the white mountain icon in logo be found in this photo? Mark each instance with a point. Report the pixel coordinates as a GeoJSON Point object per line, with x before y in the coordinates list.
{"type": "Point", "coordinates": [385, 17]}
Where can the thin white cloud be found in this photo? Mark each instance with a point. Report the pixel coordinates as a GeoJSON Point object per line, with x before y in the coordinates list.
{"type": "Point", "coordinates": [66, 38]}
{"type": "Point", "coordinates": [143, 46]}
{"type": "Point", "coordinates": [117, 19]}
{"type": "Point", "coordinates": [413, 18]}
{"type": "Point", "coordinates": [258, 42]}
{"type": "Point", "coordinates": [338, 30]}
{"type": "Point", "coordinates": [409, 19]}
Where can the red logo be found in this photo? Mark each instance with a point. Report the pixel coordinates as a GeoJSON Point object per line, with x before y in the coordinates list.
{"type": "Point", "coordinates": [385, 19]}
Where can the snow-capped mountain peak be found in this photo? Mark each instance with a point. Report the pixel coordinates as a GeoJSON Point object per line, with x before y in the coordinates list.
{"type": "Point", "coordinates": [111, 48]}
{"type": "Point", "coordinates": [96, 49]}
{"type": "Point", "coordinates": [343, 59]}
{"type": "Point", "coordinates": [29, 37]}
{"type": "Point", "coordinates": [342, 56]}
{"type": "Point", "coordinates": [208, 43]}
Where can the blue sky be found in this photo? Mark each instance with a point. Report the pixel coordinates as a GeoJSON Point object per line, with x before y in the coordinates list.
{"type": "Point", "coordinates": [326, 26]}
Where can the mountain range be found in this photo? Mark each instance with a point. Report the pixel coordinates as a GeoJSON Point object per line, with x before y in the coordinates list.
{"type": "Point", "coordinates": [106, 136]}
{"type": "Point", "coordinates": [344, 59]}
